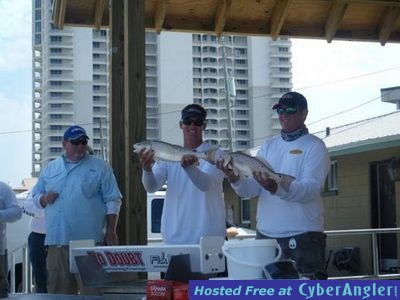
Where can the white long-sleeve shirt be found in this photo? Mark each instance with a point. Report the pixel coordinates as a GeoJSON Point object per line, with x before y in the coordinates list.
{"type": "Point", "coordinates": [9, 212]}
{"type": "Point", "coordinates": [300, 209]}
{"type": "Point", "coordinates": [194, 205]}
{"type": "Point", "coordinates": [37, 223]}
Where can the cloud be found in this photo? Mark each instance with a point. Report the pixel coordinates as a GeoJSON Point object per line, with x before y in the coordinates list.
{"type": "Point", "coordinates": [15, 34]}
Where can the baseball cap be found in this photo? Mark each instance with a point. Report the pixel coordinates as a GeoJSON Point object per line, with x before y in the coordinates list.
{"type": "Point", "coordinates": [292, 99]}
{"type": "Point", "coordinates": [195, 111]}
{"type": "Point", "coordinates": [74, 132]}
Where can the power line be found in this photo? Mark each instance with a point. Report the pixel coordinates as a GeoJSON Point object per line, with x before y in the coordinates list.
{"type": "Point", "coordinates": [345, 111]}
{"type": "Point", "coordinates": [255, 97]}
{"type": "Point", "coordinates": [348, 78]}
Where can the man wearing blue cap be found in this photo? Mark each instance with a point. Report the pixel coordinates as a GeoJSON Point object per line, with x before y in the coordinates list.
{"type": "Point", "coordinates": [81, 200]}
{"type": "Point", "coordinates": [194, 205]}
{"type": "Point", "coordinates": [291, 214]}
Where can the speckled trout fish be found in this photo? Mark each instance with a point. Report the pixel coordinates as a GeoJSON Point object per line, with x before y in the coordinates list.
{"type": "Point", "coordinates": [166, 151]}
{"type": "Point", "coordinates": [244, 165]}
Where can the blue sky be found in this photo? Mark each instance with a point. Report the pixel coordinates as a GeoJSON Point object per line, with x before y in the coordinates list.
{"type": "Point", "coordinates": [334, 77]}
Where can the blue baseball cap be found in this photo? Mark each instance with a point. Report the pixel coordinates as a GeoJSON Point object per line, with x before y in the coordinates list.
{"type": "Point", "coordinates": [74, 132]}
{"type": "Point", "coordinates": [195, 111]}
{"type": "Point", "coordinates": [292, 99]}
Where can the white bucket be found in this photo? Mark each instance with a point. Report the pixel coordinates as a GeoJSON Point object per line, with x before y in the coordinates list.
{"type": "Point", "coordinates": [246, 258]}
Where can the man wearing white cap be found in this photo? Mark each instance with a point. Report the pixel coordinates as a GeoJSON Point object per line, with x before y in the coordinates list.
{"type": "Point", "coordinates": [81, 200]}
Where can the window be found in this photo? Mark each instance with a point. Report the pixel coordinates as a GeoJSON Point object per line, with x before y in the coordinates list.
{"type": "Point", "coordinates": [55, 94]}
{"type": "Point", "coordinates": [55, 72]}
{"type": "Point", "coordinates": [55, 150]}
{"type": "Point", "coordinates": [38, 27]}
{"type": "Point", "coordinates": [243, 143]}
{"type": "Point", "coordinates": [283, 49]}
{"type": "Point", "coordinates": [241, 122]}
{"type": "Point", "coordinates": [55, 50]}
{"type": "Point", "coordinates": [332, 177]}
{"type": "Point", "coordinates": [156, 212]}
{"type": "Point", "coordinates": [55, 61]}
{"type": "Point", "coordinates": [245, 211]}
{"type": "Point", "coordinates": [38, 39]}
{"type": "Point", "coordinates": [55, 38]}
{"type": "Point", "coordinates": [55, 138]}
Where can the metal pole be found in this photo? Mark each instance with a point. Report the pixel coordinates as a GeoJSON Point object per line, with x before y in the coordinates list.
{"type": "Point", "coordinates": [26, 279]}
{"type": "Point", "coordinates": [375, 254]}
{"type": "Point", "coordinates": [227, 95]}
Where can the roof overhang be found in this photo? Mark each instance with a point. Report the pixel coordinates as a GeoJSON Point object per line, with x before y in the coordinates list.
{"type": "Point", "coordinates": [363, 20]}
{"type": "Point", "coordinates": [365, 146]}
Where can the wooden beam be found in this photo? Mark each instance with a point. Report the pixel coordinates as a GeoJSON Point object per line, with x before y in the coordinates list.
{"type": "Point", "coordinates": [335, 16]}
{"type": "Point", "coordinates": [99, 12]}
{"type": "Point", "coordinates": [395, 3]}
{"type": "Point", "coordinates": [221, 12]}
{"type": "Point", "coordinates": [59, 13]}
{"type": "Point", "coordinates": [387, 23]}
{"type": "Point", "coordinates": [278, 17]}
{"type": "Point", "coordinates": [159, 16]}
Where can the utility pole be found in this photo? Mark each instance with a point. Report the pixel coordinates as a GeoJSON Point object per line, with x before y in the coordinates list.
{"type": "Point", "coordinates": [227, 95]}
{"type": "Point", "coordinates": [103, 153]}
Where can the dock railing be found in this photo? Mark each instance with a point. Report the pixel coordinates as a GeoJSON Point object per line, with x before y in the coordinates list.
{"type": "Point", "coordinates": [26, 286]}
{"type": "Point", "coordinates": [374, 233]}
{"type": "Point", "coordinates": [20, 271]}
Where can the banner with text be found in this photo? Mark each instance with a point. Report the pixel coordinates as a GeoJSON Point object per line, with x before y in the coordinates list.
{"type": "Point", "coordinates": [294, 289]}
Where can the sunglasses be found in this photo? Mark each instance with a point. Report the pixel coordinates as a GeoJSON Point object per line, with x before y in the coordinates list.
{"type": "Point", "coordinates": [195, 122]}
{"type": "Point", "coordinates": [287, 110]}
{"type": "Point", "coordinates": [78, 142]}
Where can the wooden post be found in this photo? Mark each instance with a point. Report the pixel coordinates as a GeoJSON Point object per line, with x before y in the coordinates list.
{"type": "Point", "coordinates": [117, 108]}
{"type": "Point", "coordinates": [135, 120]}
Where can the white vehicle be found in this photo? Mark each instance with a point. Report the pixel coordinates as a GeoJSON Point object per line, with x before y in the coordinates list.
{"type": "Point", "coordinates": [155, 204]}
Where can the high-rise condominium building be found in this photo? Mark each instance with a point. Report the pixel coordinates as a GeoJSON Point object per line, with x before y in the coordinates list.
{"type": "Point", "coordinates": [70, 85]}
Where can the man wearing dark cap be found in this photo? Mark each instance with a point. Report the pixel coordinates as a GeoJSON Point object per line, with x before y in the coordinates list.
{"type": "Point", "coordinates": [82, 201]}
{"type": "Point", "coordinates": [293, 214]}
{"type": "Point", "coordinates": [194, 205]}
